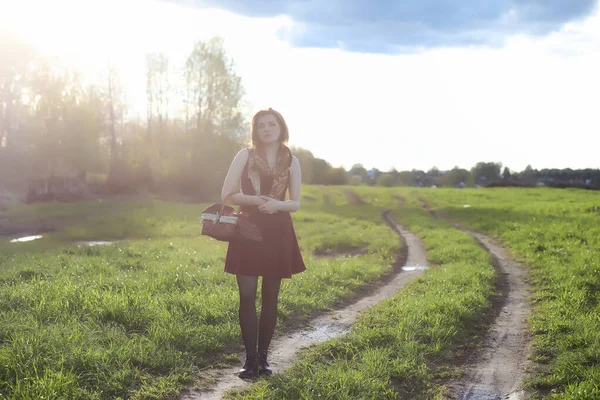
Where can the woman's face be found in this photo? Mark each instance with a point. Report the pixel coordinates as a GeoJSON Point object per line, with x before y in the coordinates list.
{"type": "Point", "coordinates": [268, 129]}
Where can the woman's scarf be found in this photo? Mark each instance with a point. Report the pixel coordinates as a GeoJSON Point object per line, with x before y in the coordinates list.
{"type": "Point", "coordinates": [258, 165]}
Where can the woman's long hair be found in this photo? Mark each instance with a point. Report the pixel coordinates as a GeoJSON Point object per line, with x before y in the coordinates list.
{"type": "Point", "coordinates": [284, 135]}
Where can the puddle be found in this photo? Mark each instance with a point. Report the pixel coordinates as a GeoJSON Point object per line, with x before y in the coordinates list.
{"type": "Point", "coordinates": [323, 332]}
{"type": "Point", "coordinates": [518, 395]}
{"type": "Point", "coordinates": [92, 243]}
{"type": "Point", "coordinates": [481, 393]}
{"type": "Point", "coordinates": [26, 239]}
{"type": "Point", "coordinates": [408, 268]}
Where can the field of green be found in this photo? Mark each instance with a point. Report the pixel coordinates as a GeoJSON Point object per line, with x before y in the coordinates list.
{"type": "Point", "coordinates": [557, 233]}
{"type": "Point", "coordinates": [144, 317]}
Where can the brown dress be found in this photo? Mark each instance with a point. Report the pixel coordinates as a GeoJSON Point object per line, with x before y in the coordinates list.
{"type": "Point", "coordinates": [278, 255]}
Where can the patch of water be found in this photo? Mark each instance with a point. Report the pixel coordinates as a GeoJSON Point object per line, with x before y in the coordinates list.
{"type": "Point", "coordinates": [92, 243]}
{"type": "Point", "coordinates": [412, 268]}
{"type": "Point", "coordinates": [481, 393]}
{"type": "Point", "coordinates": [323, 332]}
{"type": "Point", "coordinates": [26, 239]}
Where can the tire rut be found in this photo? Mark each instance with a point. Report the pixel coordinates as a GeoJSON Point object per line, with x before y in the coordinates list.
{"type": "Point", "coordinates": [497, 371]}
{"type": "Point", "coordinates": [284, 349]}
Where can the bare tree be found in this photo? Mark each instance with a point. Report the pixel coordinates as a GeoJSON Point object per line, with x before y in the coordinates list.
{"type": "Point", "coordinates": [116, 108]}
{"type": "Point", "coordinates": [149, 95]}
{"type": "Point", "coordinates": [214, 90]}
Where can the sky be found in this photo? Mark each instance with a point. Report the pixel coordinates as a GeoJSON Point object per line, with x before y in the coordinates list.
{"type": "Point", "coordinates": [388, 84]}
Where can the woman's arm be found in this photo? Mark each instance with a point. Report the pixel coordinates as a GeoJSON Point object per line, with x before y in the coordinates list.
{"type": "Point", "coordinates": [232, 180]}
{"type": "Point", "coordinates": [293, 204]}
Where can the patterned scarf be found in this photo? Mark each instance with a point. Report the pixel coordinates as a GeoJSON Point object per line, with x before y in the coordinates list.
{"type": "Point", "coordinates": [258, 165]}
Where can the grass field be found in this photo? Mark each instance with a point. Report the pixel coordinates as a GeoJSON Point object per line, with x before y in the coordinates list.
{"type": "Point", "coordinates": [557, 233]}
{"type": "Point", "coordinates": [142, 317]}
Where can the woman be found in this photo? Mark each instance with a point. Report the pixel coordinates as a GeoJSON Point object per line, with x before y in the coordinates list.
{"type": "Point", "coordinates": [264, 173]}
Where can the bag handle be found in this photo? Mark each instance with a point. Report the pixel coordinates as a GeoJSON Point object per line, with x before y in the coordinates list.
{"type": "Point", "coordinates": [227, 200]}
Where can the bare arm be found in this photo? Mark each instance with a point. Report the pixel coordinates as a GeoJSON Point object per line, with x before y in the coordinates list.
{"type": "Point", "coordinates": [293, 204]}
{"type": "Point", "coordinates": [232, 180]}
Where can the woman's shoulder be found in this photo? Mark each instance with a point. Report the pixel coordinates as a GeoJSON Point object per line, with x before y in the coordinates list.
{"type": "Point", "coordinates": [244, 153]}
{"type": "Point", "coordinates": [294, 163]}
{"type": "Point", "coordinates": [241, 157]}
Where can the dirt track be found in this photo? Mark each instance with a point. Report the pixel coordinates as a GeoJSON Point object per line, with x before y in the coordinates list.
{"type": "Point", "coordinates": [497, 371]}
{"type": "Point", "coordinates": [284, 349]}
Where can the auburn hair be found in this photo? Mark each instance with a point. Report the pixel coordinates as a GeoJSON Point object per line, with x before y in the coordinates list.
{"type": "Point", "coordinates": [284, 136]}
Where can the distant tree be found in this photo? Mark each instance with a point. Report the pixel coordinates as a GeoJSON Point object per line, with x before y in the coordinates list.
{"type": "Point", "coordinates": [486, 172]}
{"type": "Point", "coordinates": [433, 176]}
{"type": "Point", "coordinates": [215, 119]}
{"type": "Point", "coordinates": [394, 173]}
{"type": "Point", "coordinates": [506, 174]}
{"type": "Point", "coordinates": [434, 172]}
{"type": "Point", "coordinates": [336, 176]}
{"type": "Point", "coordinates": [159, 88]}
{"type": "Point", "coordinates": [418, 177]}
{"type": "Point", "coordinates": [15, 139]}
{"type": "Point", "coordinates": [355, 180]}
{"type": "Point", "coordinates": [321, 169]}
{"type": "Point", "coordinates": [65, 129]}
{"type": "Point", "coordinates": [404, 178]}
{"type": "Point", "coordinates": [360, 171]}
{"type": "Point", "coordinates": [529, 175]}
{"type": "Point", "coordinates": [454, 177]}
{"type": "Point", "coordinates": [307, 163]}
{"type": "Point", "coordinates": [386, 180]}
{"type": "Point", "coordinates": [115, 108]}
{"type": "Point", "coordinates": [214, 90]}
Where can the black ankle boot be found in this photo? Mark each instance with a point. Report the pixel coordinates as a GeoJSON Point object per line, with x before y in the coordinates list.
{"type": "Point", "coordinates": [263, 365]}
{"type": "Point", "coordinates": [250, 368]}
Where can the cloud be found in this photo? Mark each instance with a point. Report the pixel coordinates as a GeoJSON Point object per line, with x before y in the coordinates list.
{"type": "Point", "coordinates": [391, 26]}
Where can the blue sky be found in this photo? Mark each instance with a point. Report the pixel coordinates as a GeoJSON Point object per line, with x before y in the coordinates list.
{"type": "Point", "coordinates": [403, 26]}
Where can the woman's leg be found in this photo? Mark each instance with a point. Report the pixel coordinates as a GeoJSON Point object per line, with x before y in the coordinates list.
{"type": "Point", "coordinates": [268, 318]}
{"type": "Point", "coordinates": [248, 320]}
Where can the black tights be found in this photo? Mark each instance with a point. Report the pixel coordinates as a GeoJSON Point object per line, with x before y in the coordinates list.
{"type": "Point", "coordinates": [247, 286]}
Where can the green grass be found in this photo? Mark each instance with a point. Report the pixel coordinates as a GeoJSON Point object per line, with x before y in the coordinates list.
{"type": "Point", "coordinates": [404, 347]}
{"type": "Point", "coordinates": [557, 233]}
{"type": "Point", "coordinates": [142, 317]}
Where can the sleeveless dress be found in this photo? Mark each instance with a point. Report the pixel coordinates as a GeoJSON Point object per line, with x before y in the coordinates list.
{"type": "Point", "coordinates": [278, 255]}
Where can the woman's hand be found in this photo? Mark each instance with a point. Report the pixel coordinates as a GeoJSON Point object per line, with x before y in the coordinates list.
{"type": "Point", "coordinates": [270, 205]}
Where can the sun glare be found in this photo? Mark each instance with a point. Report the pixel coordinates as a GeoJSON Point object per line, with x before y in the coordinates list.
{"type": "Point", "coordinates": [468, 90]}
{"type": "Point", "coordinates": [89, 35]}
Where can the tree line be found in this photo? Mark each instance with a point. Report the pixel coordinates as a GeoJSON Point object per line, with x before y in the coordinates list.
{"type": "Point", "coordinates": [482, 174]}
{"type": "Point", "coordinates": [54, 125]}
